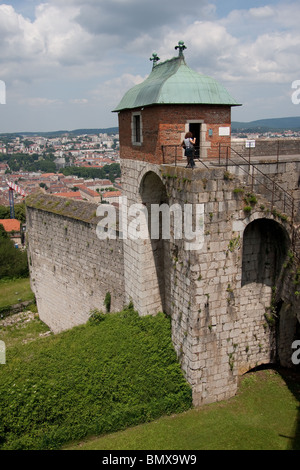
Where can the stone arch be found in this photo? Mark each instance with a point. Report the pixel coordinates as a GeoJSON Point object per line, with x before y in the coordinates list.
{"type": "Point", "coordinates": [152, 189]}
{"type": "Point", "coordinates": [153, 192]}
{"type": "Point", "coordinates": [265, 247]}
{"type": "Point", "coordinates": [148, 169]}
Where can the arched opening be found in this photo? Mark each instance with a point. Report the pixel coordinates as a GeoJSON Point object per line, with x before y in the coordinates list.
{"type": "Point", "coordinates": [154, 196]}
{"type": "Point", "coordinates": [152, 189]}
{"type": "Point", "coordinates": [265, 251]}
{"type": "Point", "coordinates": [265, 247]}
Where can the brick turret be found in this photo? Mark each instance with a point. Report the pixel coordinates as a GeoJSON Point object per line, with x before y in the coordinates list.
{"type": "Point", "coordinates": [155, 115]}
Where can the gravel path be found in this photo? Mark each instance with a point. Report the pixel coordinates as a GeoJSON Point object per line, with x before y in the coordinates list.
{"type": "Point", "coordinates": [21, 317]}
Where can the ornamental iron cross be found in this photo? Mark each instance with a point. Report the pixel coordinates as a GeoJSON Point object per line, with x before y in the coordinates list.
{"type": "Point", "coordinates": [181, 48]}
{"type": "Point", "coordinates": [155, 58]}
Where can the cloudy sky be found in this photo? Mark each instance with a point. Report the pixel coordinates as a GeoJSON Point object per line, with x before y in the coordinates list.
{"type": "Point", "coordinates": [67, 63]}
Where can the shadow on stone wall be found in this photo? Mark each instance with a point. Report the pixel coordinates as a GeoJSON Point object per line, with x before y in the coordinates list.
{"type": "Point", "coordinates": [265, 249]}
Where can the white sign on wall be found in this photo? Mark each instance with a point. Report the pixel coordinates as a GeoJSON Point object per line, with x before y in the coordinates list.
{"type": "Point", "coordinates": [2, 92]}
{"type": "Point", "coordinates": [224, 131]}
{"type": "Point", "coordinates": [250, 144]}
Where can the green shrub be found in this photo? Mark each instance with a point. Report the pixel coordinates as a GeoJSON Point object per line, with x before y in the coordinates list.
{"type": "Point", "coordinates": [247, 209]}
{"type": "Point", "coordinates": [93, 379]}
{"type": "Point", "coordinates": [96, 316]}
{"type": "Point", "coordinates": [238, 190]}
{"type": "Point", "coordinates": [13, 262]}
{"type": "Point", "coordinates": [107, 302]}
{"type": "Point", "coordinates": [250, 199]}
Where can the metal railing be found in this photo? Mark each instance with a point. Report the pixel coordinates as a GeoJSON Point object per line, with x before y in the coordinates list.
{"type": "Point", "coordinates": [275, 149]}
{"type": "Point", "coordinates": [278, 194]}
{"type": "Point", "coordinates": [279, 198]}
{"type": "Point", "coordinates": [174, 155]}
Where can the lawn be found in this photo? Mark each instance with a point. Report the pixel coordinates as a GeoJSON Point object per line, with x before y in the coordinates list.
{"type": "Point", "coordinates": [15, 291]}
{"type": "Point", "coordinates": [117, 378]}
{"type": "Point", "coordinates": [114, 372]}
{"type": "Point", "coordinates": [264, 415]}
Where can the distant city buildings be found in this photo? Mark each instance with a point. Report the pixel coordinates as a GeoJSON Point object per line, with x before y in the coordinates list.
{"type": "Point", "coordinates": [265, 135]}
{"type": "Point", "coordinates": [96, 149]}
{"type": "Point", "coordinates": [91, 151]}
{"type": "Point", "coordinates": [84, 151]}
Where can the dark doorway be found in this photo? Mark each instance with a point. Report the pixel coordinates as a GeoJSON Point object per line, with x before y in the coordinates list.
{"type": "Point", "coordinates": [195, 129]}
{"type": "Point", "coordinates": [153, 192]}
{"type": "Point", "coordinates": [265, 247]}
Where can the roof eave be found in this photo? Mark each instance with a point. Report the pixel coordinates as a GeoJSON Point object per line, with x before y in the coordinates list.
{"type": "Point", "coordinates": [148, 105]}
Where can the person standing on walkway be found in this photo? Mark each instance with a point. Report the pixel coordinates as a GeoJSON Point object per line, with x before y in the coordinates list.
{"type": "Point", "coordinates": [189, 143]}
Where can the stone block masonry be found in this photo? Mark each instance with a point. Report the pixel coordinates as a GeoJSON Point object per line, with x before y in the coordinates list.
{"type": "Point", "coordinates": [233, 302]}
{"type": "Point", "coordinates": [268, 147]}
{"type": "Point", "coordinates": [71, 270]}
{"type": "Point", "coordinates": [221, 298]}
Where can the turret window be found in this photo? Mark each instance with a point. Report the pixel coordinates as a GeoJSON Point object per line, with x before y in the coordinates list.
{"type": "Point", "coordinates": [136, 127]}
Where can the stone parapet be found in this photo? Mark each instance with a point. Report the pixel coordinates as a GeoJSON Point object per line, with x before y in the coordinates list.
{"type": "Point", "coordinates": [71, 270]}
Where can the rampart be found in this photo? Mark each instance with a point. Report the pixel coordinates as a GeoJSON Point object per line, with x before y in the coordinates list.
{"type": "Point", "coordinates": [71, 270]}
{"type": "Point", "coordinates": [268, 147]}
{"type": "Point", "coordinates": [233, 302]}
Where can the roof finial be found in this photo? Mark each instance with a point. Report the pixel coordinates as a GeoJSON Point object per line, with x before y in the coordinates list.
{"type": "Point", "coordinates": [155, 58]}
{"type": "Point", "coordinates": [181, 48]}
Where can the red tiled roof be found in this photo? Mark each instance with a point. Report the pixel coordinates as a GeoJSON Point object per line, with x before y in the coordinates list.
{"type": "Point", "coordinates": [11, 225]}
{"type": "Point", "coordinates": [70, 194]}
{"type": "Point", "coordinates": [112, 194]}
{"type": "Point", "coordinates": [85, 189]}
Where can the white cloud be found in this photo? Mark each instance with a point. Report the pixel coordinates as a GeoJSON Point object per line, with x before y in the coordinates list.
{"type": "Point", "coordinates": [270, 55]}
{"type": "Point", "coordinates": [115, 88]}
{"type": "Point", "coordinates": [72, 51]}
{"type": "Point", "coordinates": [79, 101]}
{"type": "Point", "coordinates": [262, 12]}
{"type": "Point", "coordinates": [40, 102]}
{"type": "Point", "coordinates": [17, 39]}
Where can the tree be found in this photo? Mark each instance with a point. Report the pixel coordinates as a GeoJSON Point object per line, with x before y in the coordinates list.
{"type": "Point", "coordinates": [4, 212]}
{"type": "Point", "coordinates": [20, 212]}
{"type": "Point", "coordinates": [13, 262]}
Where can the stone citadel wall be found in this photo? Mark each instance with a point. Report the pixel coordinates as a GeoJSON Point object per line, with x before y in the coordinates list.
{"type": "Point", "coordinates": [268, 147]}
{"type": "Point", "coordinates": [233, 302]}
{"type": "Point", "coordinates": [71, 270]}
{"type": "Point", "coordinates": [221, 298]}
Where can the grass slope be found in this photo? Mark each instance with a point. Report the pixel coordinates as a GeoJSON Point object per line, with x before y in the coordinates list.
{"type": "Point", "coordinates": [15, 291]}
{"type": "Point", "coordinates": [264, 415]}
{"type": "Point", "coordinates": [121, 371]}
{"type": "Point", "coordinates": [94, 379]}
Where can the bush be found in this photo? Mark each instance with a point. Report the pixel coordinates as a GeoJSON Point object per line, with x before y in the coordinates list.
{"type": "Point", "coordinates": [107, 302]}
{"type": "Point", "coordinates": [13, 262]}
{"type": "Point", "coordinates": [93, 379]}
{"type": "Point", "coordinates": [247, 209]}
{"type": "Point", "coordinates": [96, 316]}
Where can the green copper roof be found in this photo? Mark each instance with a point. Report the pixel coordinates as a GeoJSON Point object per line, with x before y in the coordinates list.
{"type": "Point", "coordinates": [173, 82]}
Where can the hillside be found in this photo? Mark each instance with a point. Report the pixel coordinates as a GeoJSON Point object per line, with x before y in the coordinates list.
{"type": "Point", "coordinates": [275, 124]}
{"type": "Point", "coordinates": [262, 125]}
{"type": "Point", "coordinates": [108, 130]}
